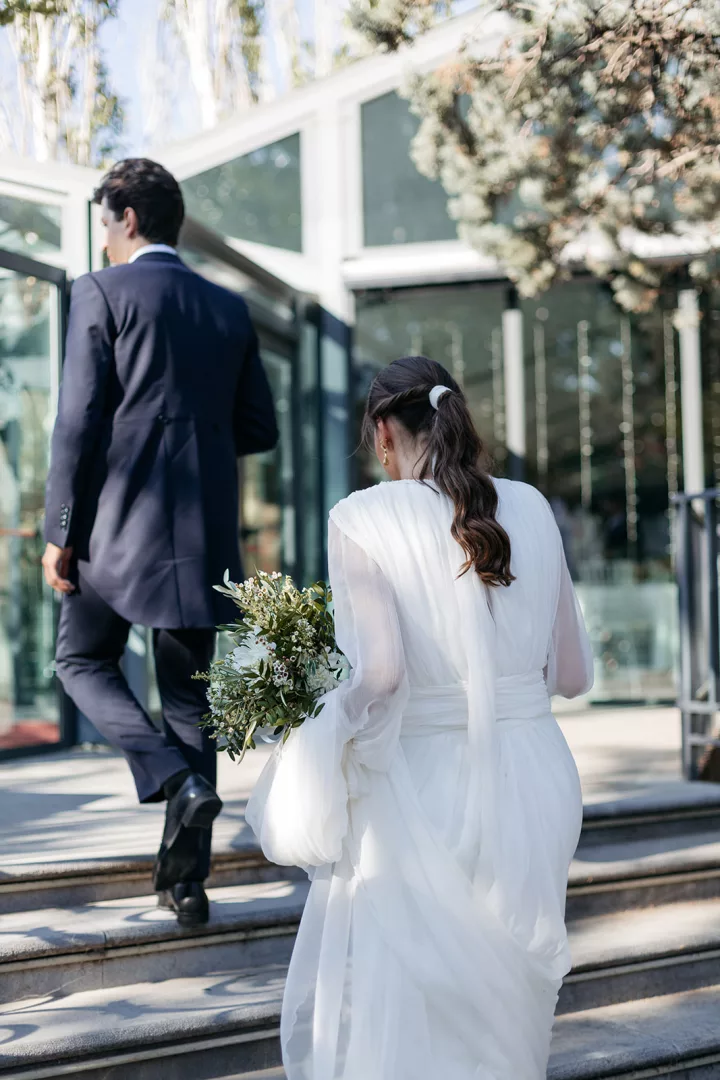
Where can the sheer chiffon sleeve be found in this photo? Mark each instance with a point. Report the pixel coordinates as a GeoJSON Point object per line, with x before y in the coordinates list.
{"type": "Point", "coordinates": [569, 670]}
{"type": "Point", "coordinates": [367, 631]}
{"type": "Point", "coordinates": [298, 809]}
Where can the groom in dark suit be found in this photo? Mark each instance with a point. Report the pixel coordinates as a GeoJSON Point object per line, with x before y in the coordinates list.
{"type": "Point", "coordinates": [162, 390]}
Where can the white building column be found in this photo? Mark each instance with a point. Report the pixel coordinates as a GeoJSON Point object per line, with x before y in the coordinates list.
{"type": "Point", "coordinates": [514, 371]}
{"type": "Point", "coordinates": [325, 184]}
{"type": "Point", "coordinates": [688, 327]}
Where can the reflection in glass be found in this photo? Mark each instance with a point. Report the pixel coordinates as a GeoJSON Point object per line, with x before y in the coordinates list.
{"type": "Point", "coordinates": [602, 436]}
{"type": "Point", "coordinates": [28, 701]}
{"type": "Point", "coordinates": [29, 228]}
{"type": "Point", "coordinates": [310, 473]}
{"type": "Point", "coordinates": [601, 413]}
{"type": "Point", "coordinates": [255, 197]}
{"type": "Point", "coordinates": [400, 206]}
{"type": "Point", "coordinates": [232, 278]}
{"type": "Point", "coordinates": [461, 327]}
{"type": "Point", "coordinates": [710, 330]}
{"type": "Point", "coordinates": [267, 504]}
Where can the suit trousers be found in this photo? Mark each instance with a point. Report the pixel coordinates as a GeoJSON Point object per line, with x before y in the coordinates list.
{"type": "Point", "coordinates": [90, 646]}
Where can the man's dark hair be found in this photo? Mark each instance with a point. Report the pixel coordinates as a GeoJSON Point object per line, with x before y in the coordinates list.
{"type": "Point", "coordinates": [152, 192]}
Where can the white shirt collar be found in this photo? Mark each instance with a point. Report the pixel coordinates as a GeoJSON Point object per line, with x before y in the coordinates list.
{"type": "Point", "coordinates": [164, 249]}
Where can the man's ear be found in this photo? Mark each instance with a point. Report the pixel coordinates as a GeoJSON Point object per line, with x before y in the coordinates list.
{"type": "Point", "coordinates": [131, 223]}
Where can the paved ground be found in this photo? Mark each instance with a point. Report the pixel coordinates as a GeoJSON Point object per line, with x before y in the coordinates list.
{"type": "Point", "coordinates": [81, 805]}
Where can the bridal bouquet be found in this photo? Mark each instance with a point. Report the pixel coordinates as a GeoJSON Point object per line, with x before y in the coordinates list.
{"type": "Point", "coordinates": [284, 659]}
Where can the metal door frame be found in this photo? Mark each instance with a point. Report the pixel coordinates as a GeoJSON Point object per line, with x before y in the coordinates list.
{"type": "Point", "coordinates": [696, 562]}
{"type": "Point", "coordinates": [284, 341]}
{"type": "Point", "coordinates": [54, 275]}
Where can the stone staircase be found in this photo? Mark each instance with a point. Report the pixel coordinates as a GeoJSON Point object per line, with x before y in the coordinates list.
{"type": "Point", "coordinates": [98, 984]}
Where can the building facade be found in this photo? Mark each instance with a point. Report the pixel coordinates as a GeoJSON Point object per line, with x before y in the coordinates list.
{"type": "Point", "coordinates": [608, 414]}
{"type": "Point", "coordinates": [312, 208]}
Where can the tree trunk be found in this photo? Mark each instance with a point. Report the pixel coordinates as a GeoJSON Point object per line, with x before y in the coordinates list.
{"type": "Point", "coordinates": [325, 36]}
{"type": "Point", "coordinates": [284, 27]}
{"type": "Point", "coordinates": [193, 24]}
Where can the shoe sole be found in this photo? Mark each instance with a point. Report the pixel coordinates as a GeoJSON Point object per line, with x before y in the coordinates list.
{"type": "Point", "coordinates": [184, 918]}
{"type": "Point", "coordinates": [191, 920]}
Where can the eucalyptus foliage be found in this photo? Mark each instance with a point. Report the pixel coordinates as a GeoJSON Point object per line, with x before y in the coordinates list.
{"type": "Point", "coordinates": [284, 659]}
{"type": "Point", "coordinates": [10, 8]}
{"type": "Point", "coordinates": [589, 132]}
{"type": "Point", "coordinates": [62, 106]}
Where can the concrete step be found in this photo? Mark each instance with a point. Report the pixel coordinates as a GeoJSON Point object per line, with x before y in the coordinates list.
{"type": "Point", "coordinates": [643, 872]}
{"type": "Point", "coordinates": [219, 1024]}
{"type": "Point", "coordinates": [676, 809]}
{"type": "Point", "coordinates": [677, 1036]}
{"type": "Point", "coordinates": [624, 863]}
{"type": "Point", "coordinates": [31, 887]}
{"type": "Point", "coordinates": [617, 955]}
{"type": "Point", "coordinates": [113, 942]}
{"type": "Point", "coordinates": [603, 878]}
{"type": "Point", "coordinates": [224, 1027]}
{"type": "Point", "coordinates": [644, 953]}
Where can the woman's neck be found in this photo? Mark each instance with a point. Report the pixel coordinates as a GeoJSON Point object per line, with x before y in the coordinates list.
{"type": "Point", "coordinates": [410, 462]}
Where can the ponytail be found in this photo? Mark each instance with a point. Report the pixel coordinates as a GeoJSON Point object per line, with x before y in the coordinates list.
{"type": "Point", "coordinates": [455, 457]}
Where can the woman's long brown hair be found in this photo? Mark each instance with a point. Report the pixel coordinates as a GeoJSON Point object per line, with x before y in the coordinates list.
{"type": "Point", "coordinates": [454, 457]}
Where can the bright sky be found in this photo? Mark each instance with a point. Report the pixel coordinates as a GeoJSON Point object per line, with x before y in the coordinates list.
{"type": "Point", "coordinates": [121, 39]}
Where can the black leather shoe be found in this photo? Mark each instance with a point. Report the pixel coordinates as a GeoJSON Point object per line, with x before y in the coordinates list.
{"type": "Point", "coordinates": [188, 900]}
{"type": "Point", "coordinates": [192, 809]}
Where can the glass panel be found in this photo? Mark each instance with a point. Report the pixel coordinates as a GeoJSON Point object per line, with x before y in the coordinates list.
{"type": "Point", "coordinates": [309, 418]}
{"type": "Point", "coordinates": [335, 418]}
{"type": "Point", "coordinates": [710, 330]}
{"type": "Point", "coordinates": [255, 197]}
{"type": "Point", "coordinates": [28, 364]}
{"type": "Point", "coordinates": [29, 228]}
{"type": "Point", "coordinates": [230, 277]}
{"type": "Point", "coordinates": [602, 412]}
{"type": "Point", "coordinates": [459, 327]}
{"type": "Point", "coordinates": [399, 205]}
{"type": "Point", "coordinates": [267, 502]}
{"type": "Point", "coordinates": [602, 430]}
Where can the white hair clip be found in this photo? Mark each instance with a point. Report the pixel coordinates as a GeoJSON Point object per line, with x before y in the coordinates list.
{"type": "Point", "coordinates": [436, 393]}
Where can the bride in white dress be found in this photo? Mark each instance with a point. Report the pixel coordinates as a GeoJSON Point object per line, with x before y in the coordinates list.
{"type": "Point", "coordinates": [434, 800]}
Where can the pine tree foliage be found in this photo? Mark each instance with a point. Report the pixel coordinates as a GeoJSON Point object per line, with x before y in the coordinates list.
{"type": "Point", "coordinates": [388, 24]}
{"type": "Point", "coordinates": [592, 131]}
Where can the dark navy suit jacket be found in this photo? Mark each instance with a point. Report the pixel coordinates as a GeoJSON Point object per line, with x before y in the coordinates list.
{"type": "Point", "coordinates": [162, 390]}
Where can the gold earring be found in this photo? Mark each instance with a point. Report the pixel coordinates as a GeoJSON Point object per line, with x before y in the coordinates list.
{"type": "Point", "coordinates": [386, 459]}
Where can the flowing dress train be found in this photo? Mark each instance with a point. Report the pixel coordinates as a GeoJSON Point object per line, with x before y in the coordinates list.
{"type": "Point", "coordinates": [434, 801]}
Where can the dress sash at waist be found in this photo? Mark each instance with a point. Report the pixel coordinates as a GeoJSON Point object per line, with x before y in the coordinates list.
{"type": "Point", "coordinates": [441, 708]}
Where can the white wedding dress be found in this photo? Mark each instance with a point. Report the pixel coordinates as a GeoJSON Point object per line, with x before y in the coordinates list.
{"type": "Point", "coordinates": [434, 802]}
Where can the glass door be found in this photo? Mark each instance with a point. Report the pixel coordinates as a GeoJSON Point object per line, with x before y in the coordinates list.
{"type": "Point", "coordinates": [602, 407]}
{"type": "Point", "coordinates": [31, 333]}
{"type": "Point", "coordinates": [267, 497]}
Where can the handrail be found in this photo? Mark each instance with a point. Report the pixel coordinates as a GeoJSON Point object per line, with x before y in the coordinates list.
{"type": "Point", "coordinates": [696, 566]}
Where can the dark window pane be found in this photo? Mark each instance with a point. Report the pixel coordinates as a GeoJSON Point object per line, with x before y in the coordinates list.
{"type": "Point", "coordinates": [399, 205]}
{"type": "Point", "coordinates": [255, 197]}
